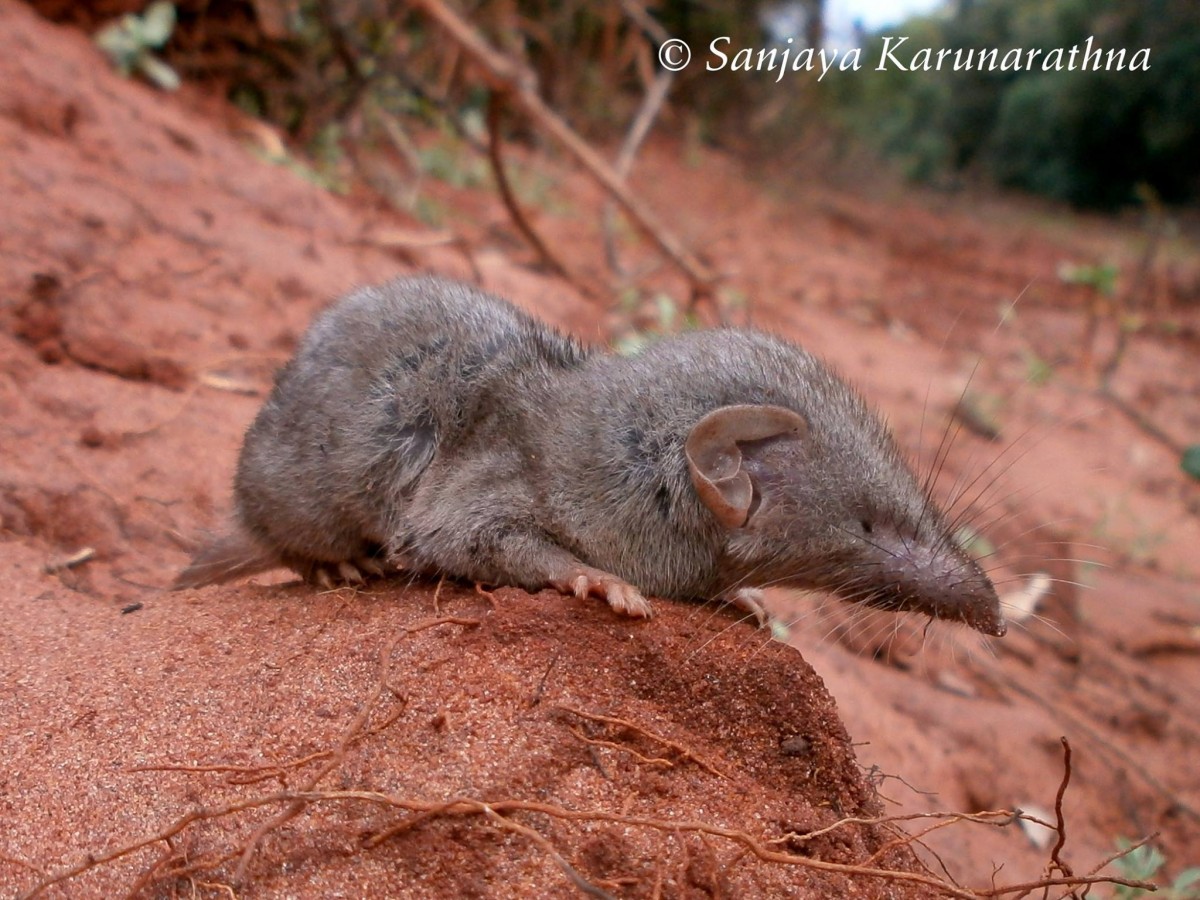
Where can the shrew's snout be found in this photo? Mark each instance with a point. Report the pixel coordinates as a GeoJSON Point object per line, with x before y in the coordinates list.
{"type": "Point", "coordinates": [941, 582]}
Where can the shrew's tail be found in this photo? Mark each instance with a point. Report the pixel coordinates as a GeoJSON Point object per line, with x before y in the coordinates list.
{"type": "Point", "coordinates": [232, 555]}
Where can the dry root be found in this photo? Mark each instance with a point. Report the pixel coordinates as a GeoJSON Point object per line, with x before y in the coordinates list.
{"type": "Point", "coordinates": [209, 870]}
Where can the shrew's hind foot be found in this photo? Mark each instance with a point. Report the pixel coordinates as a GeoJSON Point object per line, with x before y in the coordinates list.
{"type": "Point", "coordinates": [346, 573]}
{"type": "Point", "coordinates": [624, 598]}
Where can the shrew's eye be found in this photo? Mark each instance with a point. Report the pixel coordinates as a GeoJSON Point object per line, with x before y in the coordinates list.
{"type": "Point", "coordinates": [866, 526]}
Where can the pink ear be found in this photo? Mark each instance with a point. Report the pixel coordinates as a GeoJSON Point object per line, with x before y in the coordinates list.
{"type": "Point", "coordinates": [715, 460]}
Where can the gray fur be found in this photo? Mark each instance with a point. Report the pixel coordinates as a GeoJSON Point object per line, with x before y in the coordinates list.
{"type": "Point", "coordinates": [439, 428]}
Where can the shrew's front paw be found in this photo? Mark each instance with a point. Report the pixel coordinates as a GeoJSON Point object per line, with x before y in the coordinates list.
{"type": "Point", "coordinates": [584, 581]}
{"type": "Point", "coordinates": [748, 600]}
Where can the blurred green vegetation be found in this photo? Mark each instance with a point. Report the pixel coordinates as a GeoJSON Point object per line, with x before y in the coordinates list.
{"type": "Point", "coordinates": [1100, 139]}
{"type": "Point", "coordinates": [1092, 138]}
{"type": "Point", "coordinates": [130, 41]}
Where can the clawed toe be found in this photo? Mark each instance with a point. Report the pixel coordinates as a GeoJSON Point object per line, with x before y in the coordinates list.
{"type": "Point", "coordinates": [330, 576]}
{"type": "Point", "coordinates": [622, 597]}
{"type": "Point", "coordinates": [628, 601]}
{"type": "Point", "coordinates": [349, 573]}
{"type": "Point", "coordinates": [581, 587]}
{"type": "Point", "coordinates": [371, 566]}
{"type": "Point", "coordinates": [749, 600]}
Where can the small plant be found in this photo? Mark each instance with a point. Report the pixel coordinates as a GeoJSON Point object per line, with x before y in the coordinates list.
{"type": "Point", "coordinates": [1102, 278]}
{"type": "Point", "coordinates": [1006, 312]}
{"type": "Point", "coordinates": [130, 39]}
{"type": "Point", "coordinates": [1142, 864]}
{"type": "Point", "coordinates": [1037, 370]}
{"type": "Point", "coordinates": [973, 543]}
{"type": "Point", "coordinates": [732, 299]}
{"type": "Point", "coordinates": [450, 160]}
{"type": "Point", "coordinates": [536, 188]}
{"type": "Point", "coordinates": [980, 414]}
{"type": "Point", "coordinates": [1119, 528]}
{"type": "Point", "coordinates": [1190, 461]}
{"type": "Point", "coordinates": [449, 163]}
{"type": "Point", "coordinates": [669, 320]}
{"type": "Point", "coordinates": [325, 175]}
{"type": "Point", "coordinates": [1103, 303]}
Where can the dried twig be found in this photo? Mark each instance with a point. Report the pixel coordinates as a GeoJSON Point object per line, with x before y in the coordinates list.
{"type": "Point", "coordinates": [78, 558]}
{"type": "Point", "coordinates": [246, 774]}
{"type": "Point", "coordinates": [518, 84]}
{"type": "Point", "coordinates": [13, 861]}
{"type": "Point", "coordinates": [666, 742]}
{"type": "Point", "coordinates": [541, 688]}
{"type": "Point", "coordinates": [495, 112]}
{"type": "Point", "coordinates": [348, 737]}
{"type": "Point", "coordinates": [1056, 863]}
{"type": "Point", "coordinates": [652, 103]}
{"type": "Point", "coordinates": [424, 810]}
{"type": "Point", "coordinates": [1003, 680]}
{"type": "Point", "coordinates": [570, 871]}
{"type": "Point", "coordinates": [1138, 288]}
{"type": "Point", "coordinates": [613, 745]}
{"type": "Point", "coordinates": [1140, 419]}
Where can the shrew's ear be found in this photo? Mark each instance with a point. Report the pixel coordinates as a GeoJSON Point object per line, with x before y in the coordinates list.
{"type": "Point", "coordinates": [715, 459]}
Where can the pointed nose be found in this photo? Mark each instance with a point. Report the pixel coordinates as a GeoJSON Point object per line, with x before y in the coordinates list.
{"type": "Point", "coordinates": [941, 582]}
{"type": "Point", "coordinates": [995, 626]}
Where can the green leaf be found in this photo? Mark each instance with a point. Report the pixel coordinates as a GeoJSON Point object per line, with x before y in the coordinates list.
{"type": "Point", "coordinates": [119, 45]}
{"type": "Point", "coordinates": [158, 72]}
{"type": "Point", "coordinates": [1190, 461]}
{"type": "Point", "coordinates": [1037, 370]}
{"type": "Point", "coordinates": [667, 311]}
{"type": "Point", "coordinates": [974, 543]}
{"type": "Point", "coordinates": [1100, 278]}
{"type": "Point", "coordinates": [629, 299]}
{"type": "Point", "coordinates": [1187, 883]}
{"type": "Point", "coordinates": [631, 344]}
{"type": "Point", "coordinates": [1141, 864]}
{"type": "Point", "coordinates": [157, 23]}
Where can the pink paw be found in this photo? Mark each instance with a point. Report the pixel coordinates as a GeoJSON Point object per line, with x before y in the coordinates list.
{"type": "Point", "coordinates": [621, 596]}
{"type": "Point", "coordinates": [347, 572]}
{"type": "Point", "coordinates": [749, 600]}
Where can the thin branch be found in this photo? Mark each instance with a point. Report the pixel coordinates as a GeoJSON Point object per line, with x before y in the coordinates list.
{"type": "Point", "coordinates": [426, 810]}
{"type": "Point", "coordinates": [1171, 797]}
{"type": "Point", "coordinates": [506, 76]}
{"type": "Point", "coordinates": [652, 104]}
{"type": "Point", "coordinates": [348, 737]}
{"type": "Point", "coordinates": [666, 742]}
{"type": "Point", "coordinates": [569, 870]}
{"type": "Point", "coordinates": [495, 112]}
{"type": "Point", "coordinates": [1060, 823]}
